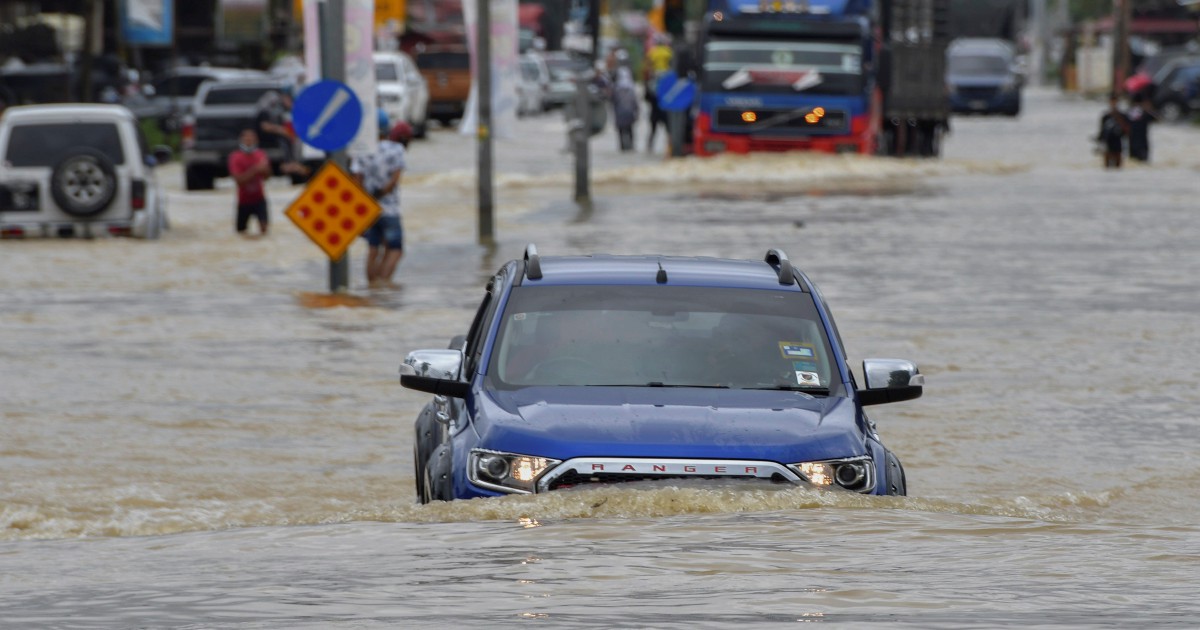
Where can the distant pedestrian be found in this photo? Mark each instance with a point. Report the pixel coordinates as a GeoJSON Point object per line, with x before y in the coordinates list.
{"type": "Point", "coordinates": [380, 174]}
{"type": "Point", "coordinates": [656, 64]}
{"type": "Point", "coordinates": [1141, 114]}
{"type": "Point", "coordinates": [1114, 126]}
{"type": "Point", "coordinates": [250, 168]}
{"type": "Point", "coordinates": [625, 107]}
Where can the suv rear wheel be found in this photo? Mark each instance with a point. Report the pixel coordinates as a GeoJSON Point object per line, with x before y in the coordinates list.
{"type": "Point", "coordinates": [84, 183]}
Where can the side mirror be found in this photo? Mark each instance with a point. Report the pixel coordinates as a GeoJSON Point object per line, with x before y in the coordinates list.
{"type": "Point", "coordinates": [434, 372]}
{"type": "Point", "coordinates": [890, 380]}
{"type": "Point", "coordinates": [162, 154]}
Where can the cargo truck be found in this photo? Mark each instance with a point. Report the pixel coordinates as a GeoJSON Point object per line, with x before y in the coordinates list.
{"type": "Point", "coordinates": [842, 76]}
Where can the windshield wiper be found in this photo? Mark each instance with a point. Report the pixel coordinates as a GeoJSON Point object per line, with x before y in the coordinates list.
{"type": "Point", "coordinates": [814, 391]}
{"type": "Point", "coordinates": [662, 384]}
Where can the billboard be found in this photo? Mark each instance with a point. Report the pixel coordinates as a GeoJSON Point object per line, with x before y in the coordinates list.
{"type": "Point", "coordinates": [147, 22]}
{"type": "Point", "coordinates": [242, 20]}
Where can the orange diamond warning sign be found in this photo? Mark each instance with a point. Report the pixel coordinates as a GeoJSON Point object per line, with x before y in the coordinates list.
{"type": "Point", "coordinates": [333, 210]}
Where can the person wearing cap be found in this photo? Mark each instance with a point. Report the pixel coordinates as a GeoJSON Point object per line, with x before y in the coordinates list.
{"type": "Point", "coordinates": [379, 174]}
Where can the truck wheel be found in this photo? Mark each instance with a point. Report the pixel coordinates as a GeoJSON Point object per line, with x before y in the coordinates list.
{"type": "Point", "coordinates": [425, 433]}
{"type": "Point", "coordinates": [1171, 111]}
{"type": "Point", "coordinates": [197, 178]}
{"type": "Point", "coordinates": [84, 183]}
{"type": "Point", "coordinates": [896, 485]}
{"type": "Point", "coordinates": [439, 477]}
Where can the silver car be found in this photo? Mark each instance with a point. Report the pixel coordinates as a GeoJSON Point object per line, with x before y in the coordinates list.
{"type": "Point", "coordinates": [403, 92]}
{"type": "Point", "coordinates": [77, 170]}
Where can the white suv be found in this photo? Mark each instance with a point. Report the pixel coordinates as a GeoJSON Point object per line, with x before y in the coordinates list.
{"type": "Point", "coordinates": [402, 90]}
{"type": "Point", "coordinates": [77, 170]}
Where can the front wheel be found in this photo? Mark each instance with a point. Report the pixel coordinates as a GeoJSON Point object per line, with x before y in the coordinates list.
{"type": "Point", "coordinates": [896, 483]}
{"type": "Point", "coordinates": [1171, 111]}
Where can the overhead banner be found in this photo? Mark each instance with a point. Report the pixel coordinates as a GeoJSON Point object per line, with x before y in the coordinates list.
{"type": "Point", "coordinates": [242, 20]}
{"type": "Point", "coordinates": [506, 67]}
{"type": "Point", "coordinates": [360, 64]}
{"type": "Point", "coordinates": [147, 22]}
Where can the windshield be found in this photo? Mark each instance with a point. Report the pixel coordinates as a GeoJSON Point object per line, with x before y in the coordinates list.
{"type": "Point", "coordinates": [386, 72]}
{"type": "Point", "coordinates": [655, 336]}
{"type": "Point", "coordinates": [564, 69]}
{"type": "Point", "coordinates": [47, 144]}
{"type": "Point", "coordinates": [977, 64]}
{"type": "Point", "coordinates": [816, 67]}
{"type": "Point", "coordinates": [235, 96]}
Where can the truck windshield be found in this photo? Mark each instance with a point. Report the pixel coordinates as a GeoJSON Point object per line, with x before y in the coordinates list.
{"type": "Point", "coordinates": [977, 64]}
{"type": "Point", "coordinates": [779, 66]}
{"type": "Point", "coordinates": [655, 336]}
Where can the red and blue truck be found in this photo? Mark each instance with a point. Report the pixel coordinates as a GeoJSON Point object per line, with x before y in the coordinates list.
{"type": "Point", "coordinates": [839, 76]}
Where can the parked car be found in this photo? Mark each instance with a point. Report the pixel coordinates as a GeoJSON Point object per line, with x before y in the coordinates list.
{"type": "Point", "coordinates": [532, 86]}
{"type": "Point", "coordinates": [563, 68]}
{"type": "Point", "coordinates": [173, 92]}
{"type": "Point", "coordinates": [983, 77]}
{"type": "Point", "coordinates": [403, 91]}
{"type": "Point", "coordinates": [447, 72]}
{"type": "Point", "coordinates": [220, 111]}
{"type": "Point", "coordinates": [586, 370]}
{"type": "Point", "coordinates": [1175, 91]}
{"type": "Point", "coordinates": [77, 170]}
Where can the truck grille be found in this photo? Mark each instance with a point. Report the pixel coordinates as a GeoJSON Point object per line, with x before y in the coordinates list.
{"type": "Point", "coordinates": [574, 478]}
{"type": "Point", "coordinates": [787, 120]}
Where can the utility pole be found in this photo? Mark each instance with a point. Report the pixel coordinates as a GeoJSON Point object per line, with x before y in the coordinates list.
{"type": "Point", "coordinates": [483, 69]}
{"type": "Point", "coordinates": [1123, 13]}
{"type": "Point", "coordinates": [332, 18]}
{"type": "Point", "coordinates": [580, 128]}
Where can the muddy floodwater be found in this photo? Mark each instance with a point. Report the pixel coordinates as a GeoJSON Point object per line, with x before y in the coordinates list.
{"type": "Point", "coordinates": [195, 434]}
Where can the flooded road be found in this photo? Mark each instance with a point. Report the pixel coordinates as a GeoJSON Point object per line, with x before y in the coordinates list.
{"type": "Point", "coordinates": [195, 435]}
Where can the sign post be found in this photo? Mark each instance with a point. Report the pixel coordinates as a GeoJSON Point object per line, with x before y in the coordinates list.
{"type": "Point", "coordinates": [333, 67]}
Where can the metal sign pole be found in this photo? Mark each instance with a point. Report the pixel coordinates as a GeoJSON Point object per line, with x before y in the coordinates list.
{"type": "Point", "coordinates": [332, 18]}
{"type": "Point", "coordinates": [483, 100]}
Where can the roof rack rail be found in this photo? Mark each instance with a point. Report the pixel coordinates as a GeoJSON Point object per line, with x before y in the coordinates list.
{"type": "Point", "coordinates": [777, 257]}
{"type": "Point", "coordinates": [533, 264]}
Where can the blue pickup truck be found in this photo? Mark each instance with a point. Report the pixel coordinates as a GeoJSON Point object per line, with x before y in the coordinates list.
{"type": "Point", "coordinates": [581, 370]}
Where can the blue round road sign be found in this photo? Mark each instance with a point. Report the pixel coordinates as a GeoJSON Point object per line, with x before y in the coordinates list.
{"type": "Point", "coordinates": [326, 115]}
{"type": "Point", "coordinates": [675, 94]}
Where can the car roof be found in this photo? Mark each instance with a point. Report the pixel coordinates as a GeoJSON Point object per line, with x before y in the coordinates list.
{"type": "Point", "coordinates": [698, 271]}
{"type": "Point", "coordinates": [59, 112]}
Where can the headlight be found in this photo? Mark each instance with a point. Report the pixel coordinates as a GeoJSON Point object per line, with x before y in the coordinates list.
{"type": "Point", "coordinates": [507, 472]}
{"type": "Point", "coordinates": [854, 473]}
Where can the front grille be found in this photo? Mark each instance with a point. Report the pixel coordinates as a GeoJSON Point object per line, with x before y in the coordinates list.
{"type": "Point", "coordinates": [575, 478]}
{"type": "Point", "coordinates": [786, 120]}
{"type": "Point", "coordinates": [977, 93]}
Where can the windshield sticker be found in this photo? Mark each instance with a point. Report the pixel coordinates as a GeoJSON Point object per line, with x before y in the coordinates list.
{"type": "Point", "coordinates": [797, 350]}
{"type": "Point", "coordinates": [519, 317]}
{"type": "Point", "coordinates": [804, 366]}
{"type": "Point", "coordinates": [807, 378]}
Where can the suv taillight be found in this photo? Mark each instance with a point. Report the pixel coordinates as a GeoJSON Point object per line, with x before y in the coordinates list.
{"type": "Point", "coordinates": [187, 135]}
{"type": "Point", "coordinates": [137, 194]}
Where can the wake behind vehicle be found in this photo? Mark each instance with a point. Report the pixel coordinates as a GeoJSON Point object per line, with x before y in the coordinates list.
{"type": "Point", "coordinates": [77, 170]}
{"type": "Point", "coordinates": [586, 370]}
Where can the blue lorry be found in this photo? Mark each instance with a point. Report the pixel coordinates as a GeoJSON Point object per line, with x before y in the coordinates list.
{"type": "Point", "coordinates": [840, 76]}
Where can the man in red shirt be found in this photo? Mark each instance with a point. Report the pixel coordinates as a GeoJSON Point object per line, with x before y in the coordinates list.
{"type": "Point", "coordinates": [250, 168]}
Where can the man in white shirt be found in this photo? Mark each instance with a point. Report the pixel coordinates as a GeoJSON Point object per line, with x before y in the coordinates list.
{"type": "Point", "coordinates": [379, 174]}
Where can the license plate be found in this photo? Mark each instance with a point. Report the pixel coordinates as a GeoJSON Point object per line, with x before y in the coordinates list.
{"type": "Point", "coordinates": [977, 104]}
